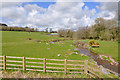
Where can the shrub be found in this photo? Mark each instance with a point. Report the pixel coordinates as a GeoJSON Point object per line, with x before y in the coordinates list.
{"type": "Point", "coordinates": [91, 42]}
{"type": "Point", "coordinates": [29, 38]}
{"type": "Point", "coordinates": [97, 43]}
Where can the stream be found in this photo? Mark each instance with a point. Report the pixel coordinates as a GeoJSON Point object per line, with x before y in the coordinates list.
{"type": "Point", "coordinates": [99, 61]}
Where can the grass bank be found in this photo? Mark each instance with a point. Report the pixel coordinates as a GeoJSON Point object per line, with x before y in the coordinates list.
{"type": "Point", "coordinates": [106, 47]}
{"type": "Point", "coordinates": [31, 74]}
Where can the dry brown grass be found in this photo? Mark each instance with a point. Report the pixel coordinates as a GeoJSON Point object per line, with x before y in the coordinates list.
{"type": "Point", "coordinates": [30, 74]}
{"type": "Point", "coordinates": [1, 74]}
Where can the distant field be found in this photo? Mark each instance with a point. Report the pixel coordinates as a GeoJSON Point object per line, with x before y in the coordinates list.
{"type": "Point", "coordinates": [17, 44]}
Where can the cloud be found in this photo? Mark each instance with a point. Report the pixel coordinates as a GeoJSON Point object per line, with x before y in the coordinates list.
{"type": "Point", "coordinates": [107, 15]}
{"type": "Point", "coordinates": [109, 6]}
{"type": "Point", "coordinates": [59, 15]}
{"type": "Point", "coordinates": [30, 7]}
{"type": "Point", "coordinates": [12, 13]}
{"type": "Point", "coordinates": [60, 0]}
{"type": "Point", "coordinates": [108, 10]}
{"type": "Point", "coordinates": [17, 1]}
{"type": "Point", "coordinates": [9, 4]}
{"type": "Point", "coordinates": [101, 0]}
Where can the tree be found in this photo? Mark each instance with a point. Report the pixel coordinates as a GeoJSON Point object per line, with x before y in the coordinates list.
{"type": "Point", "coordinates": [46, 30]}
{"type": "Point", "coordinates": [35, 29]}
{"type": "Point", "coordinates": [50, 30]}
{"type": "Point", "coordinates": [61, 32]}
{"type": "Point", "coordinates": [70, 33]}
{"type": "Point", "coordinates": [102, 29]}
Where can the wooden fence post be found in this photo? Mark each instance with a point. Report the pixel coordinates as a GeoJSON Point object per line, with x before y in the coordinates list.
{"type": "Point", "coordinates": [65, 66]}
{"type": "Point", "coordinates": [23, 63]}
{"type": "Point", "coordinates": [100, 76]}
{"type": "Point", "coordinates": [44, 66]}
{"type": "Point", "coordinates": [85, 66]}
{"type": "Point", "coordinates": [4, 62]}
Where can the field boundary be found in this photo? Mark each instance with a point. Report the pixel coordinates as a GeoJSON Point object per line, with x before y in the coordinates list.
{"type": "Point", "coordinates": [55, 65]}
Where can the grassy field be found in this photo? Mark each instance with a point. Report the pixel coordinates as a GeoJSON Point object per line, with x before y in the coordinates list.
{"type": "Point", "coordinates": [17, 44]}
{"type": "Point", "coordinates": [109, 48]}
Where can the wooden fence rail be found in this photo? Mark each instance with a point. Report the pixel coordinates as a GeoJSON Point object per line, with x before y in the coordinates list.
{"type": "Point", "coordinates": [54, 65]}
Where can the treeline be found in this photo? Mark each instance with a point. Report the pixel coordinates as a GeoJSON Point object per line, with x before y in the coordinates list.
{"type": "Point", "coordinates": [66, 33]}
{"type": "Point", "coordinates": [102, 29]}
{"type": "Point", "coordinates": [27, 29]}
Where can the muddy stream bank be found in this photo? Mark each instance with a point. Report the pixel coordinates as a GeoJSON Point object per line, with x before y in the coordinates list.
{"type": "Point", "coordinates": [84, 48]}
{"type": "Point", "coordinates": [99, 61]}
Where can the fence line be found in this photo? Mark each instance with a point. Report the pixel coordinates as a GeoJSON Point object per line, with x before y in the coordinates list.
{"type": "Point", "coordinates": [54, 65]}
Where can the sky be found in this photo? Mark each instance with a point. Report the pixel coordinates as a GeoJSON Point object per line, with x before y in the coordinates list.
{"type": "Point", "coordinates": [55, 15]}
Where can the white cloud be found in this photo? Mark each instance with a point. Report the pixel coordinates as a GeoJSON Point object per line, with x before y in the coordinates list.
{"type": "Point", "coordinates": [17, 0]}
{"type": "Point", "coordinates": [59, 0]}
{"type": "Point", "coordinates": [60, 15]}
{"type": "Point", "coordinates": [9, 4]}
{"type": "Point", "coordinates": [110, 6]}
{"type": "Point", "coordinates": [107, 15]}
{"type": "Point", "coordinates": [30, 7]}
{"type": "Point", "coordinates": [108, 10]}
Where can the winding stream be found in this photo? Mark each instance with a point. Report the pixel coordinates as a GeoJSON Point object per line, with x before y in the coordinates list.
{"type": "Point", "coordinates": [99, 61]}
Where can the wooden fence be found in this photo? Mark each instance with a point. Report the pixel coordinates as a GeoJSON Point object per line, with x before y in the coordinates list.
{"type": "Point", "coordinates": [55, 65]}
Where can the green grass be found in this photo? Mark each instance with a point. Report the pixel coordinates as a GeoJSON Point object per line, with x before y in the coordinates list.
{"type": "Point", "coordinates": [106, 58]}
{"type": "Point", "coordinates": [109, 48]}
{"type": "Point", "coordinates": [17, 44]}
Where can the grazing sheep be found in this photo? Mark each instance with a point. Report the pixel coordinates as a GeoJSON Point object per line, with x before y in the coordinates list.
{"type": "Point", "coordinates": [76, 52]}
{"type": "Point", "coordinates": [59, 54]}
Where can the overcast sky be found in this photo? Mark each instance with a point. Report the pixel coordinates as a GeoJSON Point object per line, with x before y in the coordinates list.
{"type": "Point", "coordinates": [56, 15]}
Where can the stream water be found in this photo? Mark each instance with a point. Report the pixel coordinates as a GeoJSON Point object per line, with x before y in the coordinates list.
{"type": "Point", "coordinates": [99, 61]}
